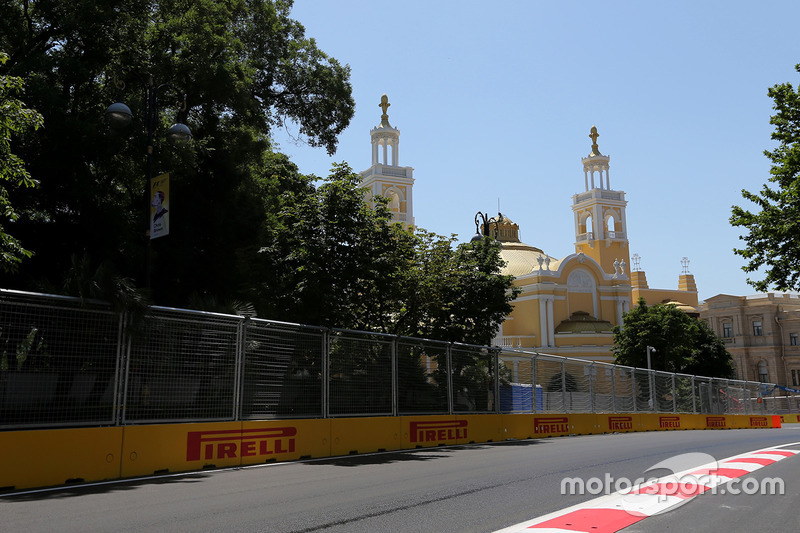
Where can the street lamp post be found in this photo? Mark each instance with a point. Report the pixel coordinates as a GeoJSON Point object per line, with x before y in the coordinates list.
{"type": "Point", "coordinates": [482, 226]}
{"type": "Point", "coordinates": [119, 116]}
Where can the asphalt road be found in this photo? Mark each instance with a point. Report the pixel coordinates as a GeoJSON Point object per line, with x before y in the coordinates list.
{"type": "Point", "coordinates": [478, 488]}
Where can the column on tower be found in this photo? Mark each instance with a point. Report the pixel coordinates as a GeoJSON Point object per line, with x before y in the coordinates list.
{"type": "Point", "coordinates": [605, 243]}
{"type": "Point", "coordinates": [386, 177]}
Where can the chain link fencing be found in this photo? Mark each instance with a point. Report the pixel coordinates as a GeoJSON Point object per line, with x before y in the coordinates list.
{"type": "Point", "coordinates": [66, 362]}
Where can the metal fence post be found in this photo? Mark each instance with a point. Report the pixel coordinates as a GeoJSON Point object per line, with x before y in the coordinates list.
{"type": "Point", "coordinates": [123, 391]}
{"type": "Point", "coordinates": [395, 376]}
{"type": "Point", "coordinates": [674, 396]}
{"type": "Point", "coordinates": [564, 384]}
{"type": "Point", "coordinates": [238, 372]}
{"type": "Point", "coordinates": [727, 396]}
{"type": "Point", "coordinates": [592, 369]}
{"type": "Point", "coordinates": [534, 402]}
{"type": "Point", "coordinates": [694, 398]}
{"type": "Point", "coordinates": [449, 373]}
{"type": "Point", "coordinates": [326, 370]}
{"type": "Point", "coordinates": [121, 371]}
{"type": "Point", "coordinates": [633, 390]}
{"type": "Point", "coordinates": [497, 380]}
{"type": "Point", "coordinates": [613, 388]}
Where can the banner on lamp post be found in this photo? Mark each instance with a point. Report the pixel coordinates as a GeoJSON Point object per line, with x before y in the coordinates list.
{"type": "Point", "coordinates": [159, 206]}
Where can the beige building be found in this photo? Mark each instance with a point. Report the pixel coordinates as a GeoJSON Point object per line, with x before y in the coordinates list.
{"type": "Point", "coordinates": [569, 305]}
{"type": "Point", "coordinates": [761, 332]}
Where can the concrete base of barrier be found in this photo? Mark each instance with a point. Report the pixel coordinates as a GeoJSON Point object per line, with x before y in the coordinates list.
{"type": "Point", "coordinates": [40, 458]}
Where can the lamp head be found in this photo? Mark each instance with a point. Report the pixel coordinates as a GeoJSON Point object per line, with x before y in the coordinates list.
{"type": "Point", "coordinates": [118, 115]}
{"type": "Point", "coordinates": [179, 133]}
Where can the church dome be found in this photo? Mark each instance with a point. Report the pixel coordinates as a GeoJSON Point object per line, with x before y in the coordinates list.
{"type": "Point", "coordinates": [686, 308]}
{"type": "Point", "coordinates": [520, 258]}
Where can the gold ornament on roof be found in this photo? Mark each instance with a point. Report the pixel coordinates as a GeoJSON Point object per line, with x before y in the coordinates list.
{"type": "Point", "coordinates": [594, 135]}
{"type": "Point", "coordinates": [384, 105]}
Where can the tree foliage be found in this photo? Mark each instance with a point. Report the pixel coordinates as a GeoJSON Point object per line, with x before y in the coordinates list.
{"type": "Point", "coordinates": [246, 68]}
{"type": "Point", "coordinates": [15, 120]}
{"type": "Point", "coordinates": [247, 230]}
{"type": "Point", "coordinates": [682, 344]}
{"type": "Point", "coordinates": [334, 260]}
{"type": "Point", "coordinates": [772, 241]}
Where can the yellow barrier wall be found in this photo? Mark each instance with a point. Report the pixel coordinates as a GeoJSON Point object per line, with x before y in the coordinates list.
{"type": "Point", "coordinates": [717, 422]}
{"type": "Point", "coordinates": [518, 427]}
{"type": "Point", "coordinates": [483, 428]}
{"type": "Point", "coordinates": [285, 440]}
{"type": "Point", "coordinates": [179, 447]}
{"type": "Point", "coordinates": [551, 425]}
{"type": "Point", "coordinates": [40, 458]}
{"type": "Point", "coordinates": [364, 435]}
{"type": "Point", "coordinates": [585, 424]}
{"type": "Point", "coordinates": [619, 422]}
{"type": "Point", "coordinates": [424, 431]}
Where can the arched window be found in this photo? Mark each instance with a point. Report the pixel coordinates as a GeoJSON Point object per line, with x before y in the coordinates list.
{"type": "Point", "coordinates": [610, 226]}
{"type": "Point", "coordinates": [394, 201]}
{"type": "Point", "coordinates": [589, 229]}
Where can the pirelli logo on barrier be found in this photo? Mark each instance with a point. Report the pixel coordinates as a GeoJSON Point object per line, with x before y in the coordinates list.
{"type": "Point", "coordinates": [759, 421]}
{"type": "Point", "coordinates": [551, 424]}
{"type": "Point", "coordinates": [230, 444]}
{"type": "Point", "coordinates": [716, 422]}
{"type": "Point", "coordinates": [438, 431]}
{"type": "Point", "coordinates": [669, 422]}
{"type": "Point", "coordinates": [620, 423]}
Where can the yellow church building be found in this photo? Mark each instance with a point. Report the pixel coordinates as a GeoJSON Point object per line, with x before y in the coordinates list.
{"type": "Point", "coordinates": [568, 306]}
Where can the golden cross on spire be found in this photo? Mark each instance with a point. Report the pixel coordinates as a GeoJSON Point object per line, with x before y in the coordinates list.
{"type": "Point", "coordinates": [384, 105]}
{"type": "Point", "coordinates": [594, 135]}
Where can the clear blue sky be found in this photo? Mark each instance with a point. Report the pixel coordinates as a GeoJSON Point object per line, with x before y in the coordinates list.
{"type": "Point", "coordinates": [496, 99]}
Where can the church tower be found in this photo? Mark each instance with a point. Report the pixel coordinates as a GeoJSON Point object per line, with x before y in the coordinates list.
{"type": "Point", "coordinates": [600, 224]}
{"type": "Point", "coordinates": [386, 177]}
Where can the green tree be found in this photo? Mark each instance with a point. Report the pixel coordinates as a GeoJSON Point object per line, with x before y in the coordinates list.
{"type": "Point", "coordinates": [456, 292]}
{"type": "Point", "coordinates": [332, 259]}
{"type": "Point", "coordinates": [772, 241]}
{"type": "Point", "coordinates": [246, 67]}
{"type": "Point", "coordinates": [682, 344]}
{"type": "Point", "coordinates": [15, 120]}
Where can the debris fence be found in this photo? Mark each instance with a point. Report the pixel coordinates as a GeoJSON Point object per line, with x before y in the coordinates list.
{"type": "Point", "coordinates": [68, 363]}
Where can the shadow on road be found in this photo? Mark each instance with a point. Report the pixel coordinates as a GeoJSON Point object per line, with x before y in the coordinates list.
{"type": "Point", "coordinates": [100, 488]}
{"type": "Point", "coordinates": [377, 458]}
{"type": "Point", "coordinates": [420, 454]}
